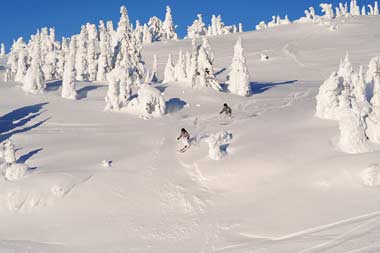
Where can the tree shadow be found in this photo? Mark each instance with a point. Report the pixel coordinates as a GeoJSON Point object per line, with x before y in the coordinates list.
{"type": "Point", "coordinates": [26, 157]}
{"type": "Point", "coordinates": [53, 86]}
{"type": "Point", "coordinates": [175, 105]}
{"type": "Point", "coordinates": [161, 87]}
{"type": "Point", "coordinates": [258, 88]}
{"type": "Point", "coordinates": [220, 71]}
{"type": "Point", "coordinates": [83, 92]}
{"type": "Point", "coordinates": [19, 118]}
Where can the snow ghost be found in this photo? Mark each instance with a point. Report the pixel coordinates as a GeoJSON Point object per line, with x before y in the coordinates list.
{"type": "Point", "coordinates": [148, 103]}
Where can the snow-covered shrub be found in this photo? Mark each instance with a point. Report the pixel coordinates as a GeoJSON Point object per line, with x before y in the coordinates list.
{"type": "Point", "coordinates": [353, 137]}
{"type": "Point", "coordinates": [216, 143]}
{"type": "Point", "coordinates": [371, 176]}
{"type": "Point", "coordinates": [7, 151]}
{"type": "Point", "coordinates": [276, 21]}
{"type": "Point", "coordinates": [12, 171]}
{"type": "Point", "coordinates": [239, 82]}
{"type": "Point", "coordinates": [16, 171]}
{"type": "Point", "coordinates": [148, 103]}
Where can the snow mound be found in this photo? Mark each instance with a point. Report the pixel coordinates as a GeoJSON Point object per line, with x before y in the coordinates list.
{"type": "Point", "coordinates": [218, 144]}
{"type": "Point", "coordinates": [15, 171]}
{"type": "Point", "coordinates": [148, 103]}
{"type": "Point", "coordinates": [371, 176]}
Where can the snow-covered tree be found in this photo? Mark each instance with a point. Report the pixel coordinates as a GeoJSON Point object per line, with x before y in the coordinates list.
{"type": "Point", "coordinates": [61, 59]}
{"type": "Point", "coordinates": [353, 137]}
{"type": "Point", "coordinates": [113, 94]}
{"type": "Point", "coordinates": [127, 56]}
{"type": "Point", "coordinates": [154, 78]}
{"type": "Point", "coordinates": [103, 61]}
{"type": "Point", "coordinates": [375, 100]}
{"type": "Point", "coordinates": [34, 81]}
{"type": "Point", "coordinates": [239, 82]}
{"type": "Point", "coordinates": [327, 98]}
{"type": "Point", "coordinates": [360, 87]}
{"type": "Point", "coordinates": [168, 26]}
{"type": "Point", "coordinates": [69, 74]}
{"type": "Point", "coordinates": [81, 64]}
{"type": "Point", "coordinates": [197, 29]}
{"type": "Point", "coordinates": [169, 70]}
{"type": "Point", "coordinates": [147, 36]}
{"type": "Point", "coordinates": [22, 65]}
{"type": "Point", "coordinates": [2, 50]}
{"type": "Point", "coordinates": [327, 10]}
{"type": "Point", "coordinates": [180, 68]}
{"type": "Point", "coordinates": [13, 57]}
{"type": "Point", "coordinates": [155, 28]}
{"type": "Point", "coordinates": [376, 8]}
{"type": "Point", "coordinates": [91, 51]}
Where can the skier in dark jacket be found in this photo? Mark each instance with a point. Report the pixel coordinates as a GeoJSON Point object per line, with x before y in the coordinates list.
{"type": "Point", "coordinates": [227, 110]}
{"type": "Point", "coordinates": [184, 137]}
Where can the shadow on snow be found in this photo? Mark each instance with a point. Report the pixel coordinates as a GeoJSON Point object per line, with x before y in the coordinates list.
{"type": "Point", "coordinates": [83, 92]}
{"type": "Point", "coordinates": [258, 88]}
{"type": "Point", "coordinates": [15, 122]}
{"type": "Point", "coordinates": [175, 105]}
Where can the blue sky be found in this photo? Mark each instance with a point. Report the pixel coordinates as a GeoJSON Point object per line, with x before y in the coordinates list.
{"type": "Point", "coordinates": [24, 17]}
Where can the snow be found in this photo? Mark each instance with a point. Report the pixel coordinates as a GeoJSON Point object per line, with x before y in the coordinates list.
{"type": "Point", "coordinates": [283, 187]}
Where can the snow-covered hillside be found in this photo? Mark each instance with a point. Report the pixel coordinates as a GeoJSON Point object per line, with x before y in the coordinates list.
{"type": "Point", "coordinates": [283, 184]}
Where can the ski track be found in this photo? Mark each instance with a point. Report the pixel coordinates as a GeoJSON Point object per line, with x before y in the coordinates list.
{"type": "Point", "coordinates": [369, 224]}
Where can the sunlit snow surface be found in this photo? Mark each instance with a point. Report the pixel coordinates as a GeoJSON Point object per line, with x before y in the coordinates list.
{"type": "Point", "coordinates": [283, 186]}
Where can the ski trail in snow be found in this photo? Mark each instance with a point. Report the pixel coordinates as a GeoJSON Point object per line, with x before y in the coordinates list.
{"type": "Point", "coordinates": [366, 224]}
{"type": "Point", "coordinates": [320, 228]}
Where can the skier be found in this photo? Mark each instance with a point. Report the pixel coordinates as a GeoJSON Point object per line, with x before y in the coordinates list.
{"type": "Point", "coordinates": [184, 137]}
{"type": "Point", "coordinates": [227, 110]}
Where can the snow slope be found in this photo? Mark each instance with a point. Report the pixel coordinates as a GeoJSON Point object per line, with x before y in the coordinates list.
{"type": "Point", "coordinates": [283, 187]}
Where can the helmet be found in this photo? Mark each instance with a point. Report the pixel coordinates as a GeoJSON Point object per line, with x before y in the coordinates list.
{"type": "Point", "coordinates": [225, 104]}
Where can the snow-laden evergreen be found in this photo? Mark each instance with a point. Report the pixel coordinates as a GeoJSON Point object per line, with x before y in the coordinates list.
{"type": "Point", "coordinates": [22, 65]}
{"type": "Point", "coordinates": [34, 81]}
{"type": "Point", "coordinates": [180, 68]}
{"type": "Point", "coordinates": [169, 70]}
{"type": "Point", "coordinates": [154, 77]}
{"type": "Point", "coordinates": [239, 78]}
{"type": "Point", "coordinates": [69, 74]}
{"type": "Point", "coordinates": [92, 52]}
{"type": "Point", "coordinates": [327, 98]}
{"type": "Point", "coordinates": [276, 21]}
{"type": "Point", "coordinates": [353, 137]}
{"type": "Point", "coordinates": [197, 29]}
{"type": "Point", "coordinates": [168, 26]}
{"type": "Point", "coordinates": [105, 55]}
{"type": "Point", "coordinates": [81, 64]}
{"type": "Point", "coordinates": [2, 50]}
{"type": "Point", "coordinates": [113, 94]}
